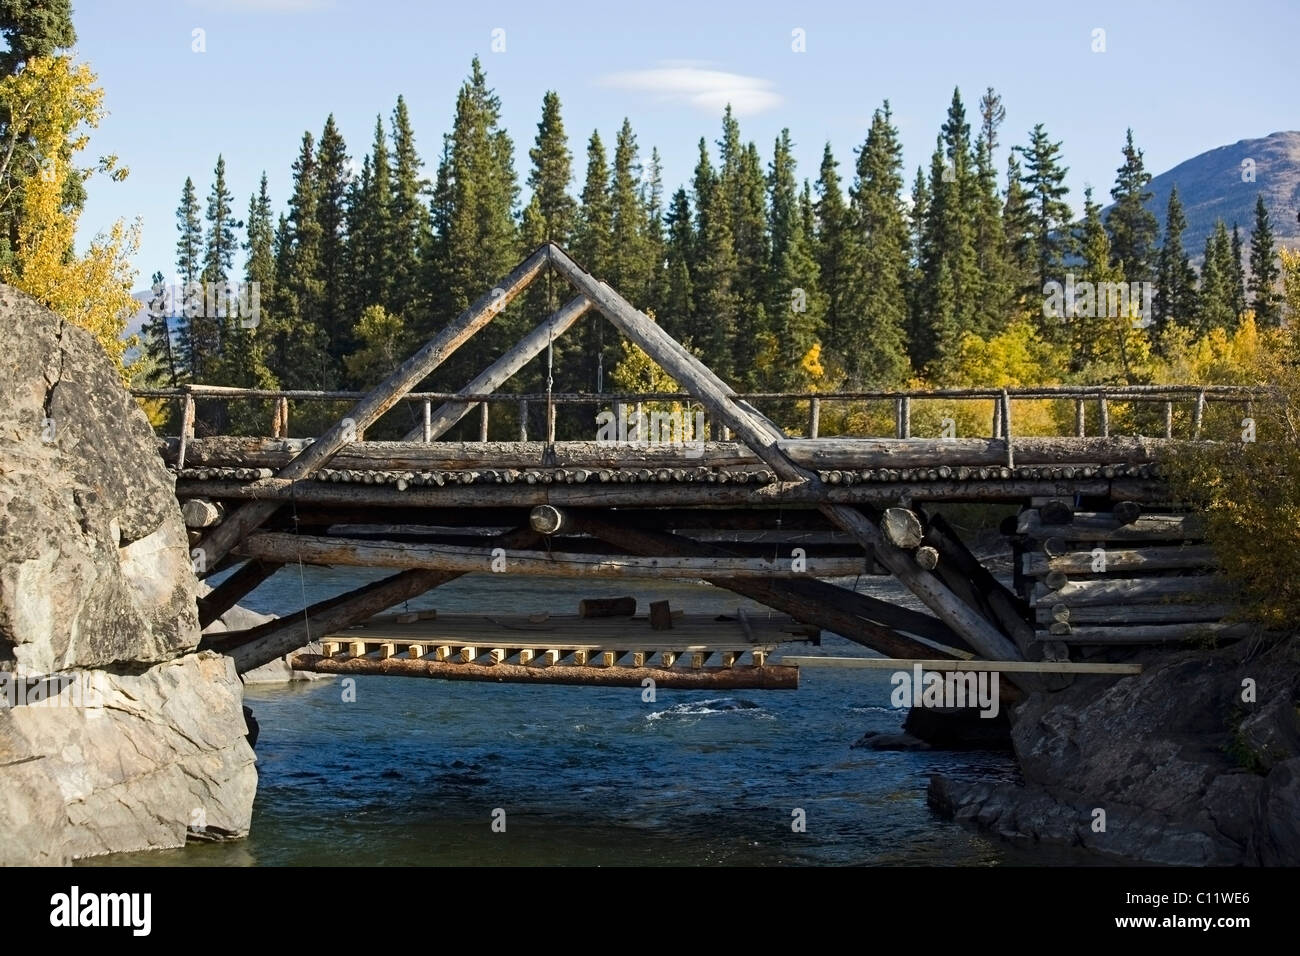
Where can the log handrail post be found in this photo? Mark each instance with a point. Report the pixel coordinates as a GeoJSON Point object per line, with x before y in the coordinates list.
{"type": "Point", "coordinates": [1104, 407]}
{"type": "Point", "coordinates": [550, 422]}
{"type": "Point", "coordinates": [1169, 419]}
{"type": "Point", "coordinates": [997, 418]}
{"type": "Point", "coordinates": [814, 416]}
{"type": "Point", "coordinates": [483, 421]}
{"type": "Point", "coordinates": [427, 427]}
{"type": "Point", "coordinates": [898, 418]}
{"type": "Point", "coordinates": [1080, 419]}
{"type": "Point", "coordinates": [187, 428]}
{"type": "Point", "coordinates": [1005, 400]}
{"type": "Point", "coordinates": [1199, 416]}
{"type": "Point", "coordinates": [907, 416]}
{"type": "Point", "coordinates": [523, 419]}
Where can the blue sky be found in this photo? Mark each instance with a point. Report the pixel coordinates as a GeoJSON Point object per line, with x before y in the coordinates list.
{"type": "Point", "coordinates": [1186, 76]}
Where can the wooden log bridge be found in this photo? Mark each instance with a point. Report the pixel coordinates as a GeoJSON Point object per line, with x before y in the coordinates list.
{"type": "Point", "coordinates": [697, 484]}
{"type": "Point", "coordinates": [622, 651]}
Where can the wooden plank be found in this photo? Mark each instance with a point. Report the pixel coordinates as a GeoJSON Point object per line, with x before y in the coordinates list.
{"type": "Point", "coordinates": [1009, 667]}
{"type": "Point", "coordinates": [397, 554]}
{"type": "Point", "coordinates": [823, 453]}
{"type": "Point", "coordinates": [768, 677]}
{"type": "Point", "coordinates": [1104, 527]}
{"type": "Point", "coordinates": [500, 371]}
{"type": "Point", "coordinates": [1156, 633]}
{"type": "Point", "coordinates": [1133, 614]}
{"type": "Point", "coordinates": [1146, 559]}
{"type": "Point", "coordinates": [366, 412]}
{"type": "Point", "coordinates": [1131, 591]}
{"type": "Point", "coordinates": [655, 495]}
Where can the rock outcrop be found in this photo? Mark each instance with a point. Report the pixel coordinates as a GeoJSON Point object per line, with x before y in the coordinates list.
{"type": "Point", "coordinates": [1194, 761]}
{"type": "Point", "coordinates": [115, 735]}
{"type": "Point", "coordinates": [277, 671]}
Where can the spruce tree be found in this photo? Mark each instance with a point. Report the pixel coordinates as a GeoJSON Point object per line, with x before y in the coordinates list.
{"type": "Point", "coordinates": [1132, 226]}
{"type": "Point", "coordinates": [795, 304]}
{"type": "Point", "coordinates": [1215, 294]}
{"type": "Point", "coordinates": [189, 271]}
{"type": "Point", "coordinates": [592, 354]}
{"type": "Point", "coordinates": [1043, 180]}
{"type": "Point", "coordinates": [371, 241]}
{"type": "Point", "coordinates": [297, 343]}
{"type": "Point", "coordinates": [481, 240]}
{"type": "Point", "coordinates": [332, 179]}
{"type": "Point", "coordinates": [409, 222]}
{"type": "Point", "coordinates": [952, 285]}
{"type": "Point", "coordinates": [629, 266]}
{"type": "Point", "coordinates": [876, 342]}
{"type": "Point", "coordinates": [652, 198]}
{"type": "Point", "coordinates": [1022, 252]}
{"type": "Point", "coordinates": [1238, 276]}
{"type": "Point", "coordinates": [997, 290]}
{"type": "Point", "coordinates": [831, 250]}
{"type": "Point", "coordinates": [157, 333]}
{"type": "Point", "coordinates": [717, 302]}
{"type": "Point", "coordinates": [1176, 281]}
{"type": "Point", "coordinates": [1264, 270]}
{"type": "Point", "coordinates": [679, 294]}
{"type": "Point", "coordinates": [918, 217]}
{"type": "Point", "coordinates": [551, 211]}
{"type": "Point", "coordinates": [1094, 335]}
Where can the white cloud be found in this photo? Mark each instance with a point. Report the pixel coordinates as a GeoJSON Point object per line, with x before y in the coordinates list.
{"type": "Point", "coordinates": [704, 89]}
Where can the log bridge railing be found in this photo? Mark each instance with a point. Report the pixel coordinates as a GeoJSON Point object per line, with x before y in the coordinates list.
{"type": "Point", "coordinates": [439, 411]}
{"type": "Point", "coordinates": [610, 509]}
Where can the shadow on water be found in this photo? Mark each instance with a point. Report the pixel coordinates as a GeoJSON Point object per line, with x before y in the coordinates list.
{"type": "Point", "coordinates": [416, 772]}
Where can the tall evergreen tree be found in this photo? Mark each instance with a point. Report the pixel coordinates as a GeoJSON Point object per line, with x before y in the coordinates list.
{"type": "Point", "coordinates": [592, 354]}
{"type": "Point", "coordinates": [795, 304]}
{"type": "Point", "coordinates": [550, 217]}
{"type": "Point", "coordinates": [409, 222]}
{"type": "Point", "coordinates": [219, 253]}
{"type": "Point", "coordinates": [652, 198]}
{"type": "Point", "coordinates": [1238, 276]}
{"type": "Point", "coordinates": [997, 295]}
{"type": "Point", "coordinates": [1043, 179]}
{"type": "Point", "coordinates": [1022, 253]}
{"type": "Point", "coordinates": [1176, 280]}
{"type": "Point", "coordinates": [1215, 294]}
{"type": "Point", "coordinates": [953, 286]}
{"type": "Point", "coordinates": [1264, 270]}
{"type": "Point", "coordinates": [189, 270]}
{"type": "Point", "coordinates": [332, 180]}
{"type": "Point", "coordinates": [831, 250]}
{"type": "Point", "coordinates": [297, 343]}
{"type": "Point", "coordinates": [679, 252]}
{"type": "Point", "coordinates": [1133, 227]}
{"type": "Point", "coordinates": [629, 264]}
{"type": "Point", "coordinates": [716, 271]}
{"type": "Point", "coordinates": [1094, 335]}
{"type": "Point", "coordinates": [371, 241]}
{"type": "Point", "coordinates": [877, 345]}
{"type": "Point", "coordinates": [481, 240]}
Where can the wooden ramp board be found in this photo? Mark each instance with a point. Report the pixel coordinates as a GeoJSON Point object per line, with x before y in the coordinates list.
{"type": "Point", "coordinates": [573, 650]}
{"type": "Point", "coordinates": [749, 677]}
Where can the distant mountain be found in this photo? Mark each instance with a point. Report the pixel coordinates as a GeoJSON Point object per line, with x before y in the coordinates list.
{"type": "Point", "coordinates": [1211, 187]}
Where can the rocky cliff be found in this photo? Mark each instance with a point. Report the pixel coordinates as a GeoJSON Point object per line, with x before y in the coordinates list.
{"type": "Point", "coordinates": [114, 735]}
{"type": "Point", "coordinates": [1195, 761]}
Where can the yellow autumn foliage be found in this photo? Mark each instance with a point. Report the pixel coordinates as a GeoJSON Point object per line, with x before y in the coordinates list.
{"type": "Point", "coordinates": [53, 104]}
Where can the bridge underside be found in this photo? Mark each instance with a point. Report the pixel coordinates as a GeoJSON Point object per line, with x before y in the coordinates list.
{"type": "Point", "coordinates": [765, 516]}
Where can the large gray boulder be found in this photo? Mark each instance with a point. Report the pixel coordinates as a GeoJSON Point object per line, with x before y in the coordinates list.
{"type": "Point", "coordinates": [146, 742]}
{"type": "Point", "coordinates": [1195, 761]}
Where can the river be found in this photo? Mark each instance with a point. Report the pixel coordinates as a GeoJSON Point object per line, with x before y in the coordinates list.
{"type": "Point", "coordinates": [420, 772]}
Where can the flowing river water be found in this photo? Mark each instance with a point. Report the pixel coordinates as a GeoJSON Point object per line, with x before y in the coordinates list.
{"type": "Point", "coordinates": [416, 772]}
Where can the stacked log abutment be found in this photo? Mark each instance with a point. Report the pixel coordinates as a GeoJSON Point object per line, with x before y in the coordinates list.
{"type": "Point", "coordinates": [1135, 575]}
